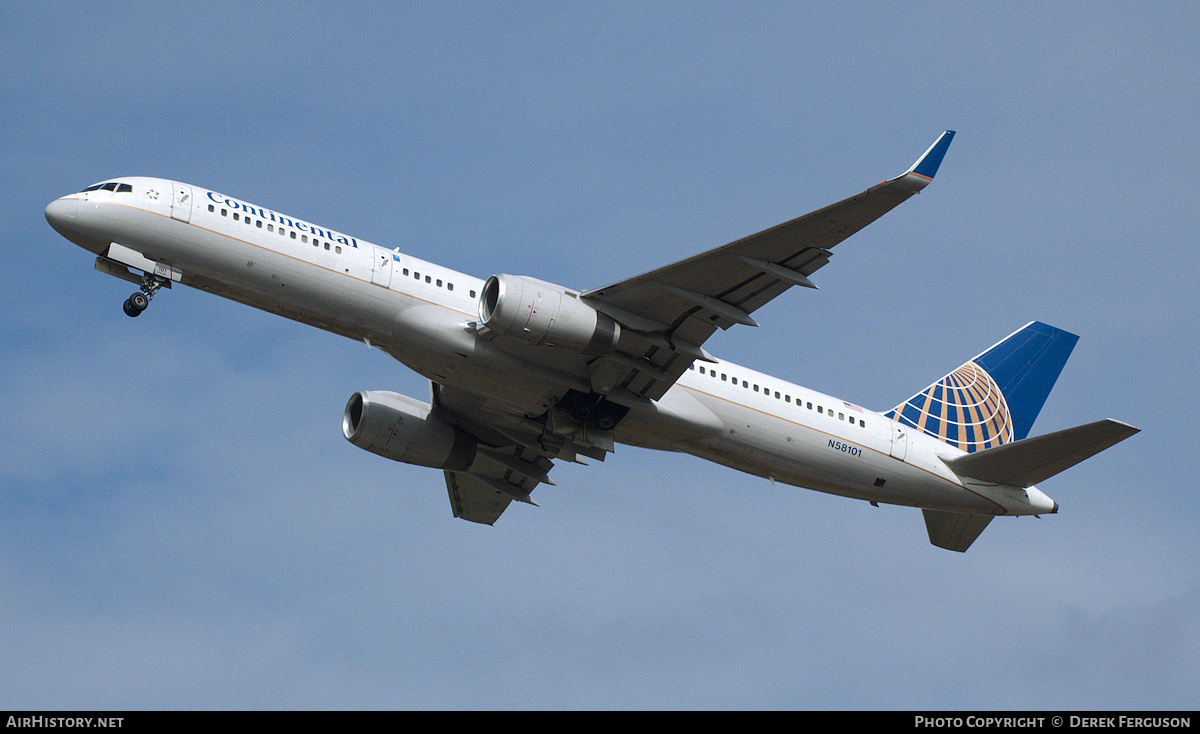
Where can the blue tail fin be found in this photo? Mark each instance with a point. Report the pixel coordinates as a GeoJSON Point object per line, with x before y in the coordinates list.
{"type": "Point", "coordinates": [994, 398]}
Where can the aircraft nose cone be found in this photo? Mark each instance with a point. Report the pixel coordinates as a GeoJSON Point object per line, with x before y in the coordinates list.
{"type": "Point", "coordinates": [61, 215]}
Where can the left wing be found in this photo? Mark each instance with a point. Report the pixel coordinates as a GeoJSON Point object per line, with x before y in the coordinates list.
{"type": "Point", "coordinates": [513, 455]}
{"type": "Point", "coordinates": [679, 306]}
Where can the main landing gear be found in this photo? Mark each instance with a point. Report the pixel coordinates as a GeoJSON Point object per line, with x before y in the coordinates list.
{"type": "Point", "coordinates": [135, 304]}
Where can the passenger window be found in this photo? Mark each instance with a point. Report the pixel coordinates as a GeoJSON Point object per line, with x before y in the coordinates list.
{"type": "Point", "coordinates": [292, 234]}
{"type": "Point", "coordinates": [449, 286]}
{"type": "Point", "coordinates": [235, 217]}
{"type": "Point", "coordinates": [211, 208]}
{"type": "Point", "coordinates": [756, 388]}
{"type": "Point", "coordinates": [258, 223]}
{"type": "Point", "coordinates": [224, 212]}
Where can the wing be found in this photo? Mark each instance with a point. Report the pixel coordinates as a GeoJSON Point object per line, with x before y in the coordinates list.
{"type": "Point", "coordinates": [513, 454]}
{"type": "Point", "coordinates": [679, 306]}
{"type": "Point", "coordinates": [472, 499]}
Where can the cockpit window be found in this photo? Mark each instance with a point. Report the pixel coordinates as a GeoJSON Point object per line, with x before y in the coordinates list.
{"type": "Point", "coordinates": [111, 186]}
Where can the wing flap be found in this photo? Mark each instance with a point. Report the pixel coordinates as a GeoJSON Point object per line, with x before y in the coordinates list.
{"type": "Point", "coordinates": [471, 499]}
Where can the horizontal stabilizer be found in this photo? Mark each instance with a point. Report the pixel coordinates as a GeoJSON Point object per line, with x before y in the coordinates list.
{"type": "Point", "coordinates": [954, 531]}
{"type": "Point", "coordinates": [1029, 461]}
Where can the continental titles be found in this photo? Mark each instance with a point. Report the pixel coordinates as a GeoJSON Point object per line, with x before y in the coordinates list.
{"type": "Point", "coordinates": [278, 218]}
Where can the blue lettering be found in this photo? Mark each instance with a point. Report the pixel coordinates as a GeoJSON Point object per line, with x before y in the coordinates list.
{"type": "Point", "coordinates": [235, 205]}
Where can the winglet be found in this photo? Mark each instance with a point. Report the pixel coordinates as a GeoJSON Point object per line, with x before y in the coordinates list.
{"type": "Point", "coordinates": [922, 172]}
{"type": "Point", "coordinates": [928, 164]}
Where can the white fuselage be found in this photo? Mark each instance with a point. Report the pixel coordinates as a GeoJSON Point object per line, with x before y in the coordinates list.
{"type": "Point", "coordinates": [421, 314]}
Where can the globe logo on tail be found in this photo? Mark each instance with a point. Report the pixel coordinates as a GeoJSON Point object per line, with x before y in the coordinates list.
{"type": "Point", "coordinates": [964, 409]}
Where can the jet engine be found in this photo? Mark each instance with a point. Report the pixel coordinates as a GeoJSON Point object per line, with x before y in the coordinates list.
{"type": "Point", "coordinates": [538, 312]}
{"type": "Point", "coordinates": [404, 429]}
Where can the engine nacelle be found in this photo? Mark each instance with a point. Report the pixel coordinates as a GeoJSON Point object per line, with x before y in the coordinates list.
{"type": "Point", "coordinates": [403, 429]}
{"type": "Point", "coordinates": [538, 312]}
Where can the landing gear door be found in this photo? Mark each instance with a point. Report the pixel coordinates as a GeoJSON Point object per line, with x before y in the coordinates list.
{"type": "Point", "coordinates": [899, 441]}
{"type": "Point", "coordinates": [181, 202]}
{"type": "Point", "coordinates": [381, 271]}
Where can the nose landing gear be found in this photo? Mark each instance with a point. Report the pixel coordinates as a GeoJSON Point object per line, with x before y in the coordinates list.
{"type": "Point", "coordinates": [135, 304]}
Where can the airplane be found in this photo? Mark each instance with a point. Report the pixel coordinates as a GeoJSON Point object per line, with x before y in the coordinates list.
{"type": "Point", "coordinates": [523, 373]}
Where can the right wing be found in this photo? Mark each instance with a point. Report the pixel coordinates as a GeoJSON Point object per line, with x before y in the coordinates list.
{"type": "Point", "coordinates": [679, 306]}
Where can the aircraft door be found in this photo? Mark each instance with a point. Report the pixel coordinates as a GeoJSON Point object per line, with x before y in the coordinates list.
{"type": "Point", "coordinates": [899, 441]}
{"type": "Point", "coordinates": [181, 202]}
{"type": "Point", "coordinates": [381, 271]}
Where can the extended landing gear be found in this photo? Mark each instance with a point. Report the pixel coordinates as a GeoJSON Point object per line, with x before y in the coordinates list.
{"type": "Point", "coordinates": [135, 304]}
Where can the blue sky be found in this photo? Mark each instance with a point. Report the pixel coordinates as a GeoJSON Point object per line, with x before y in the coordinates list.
{"type": "Point", "coordinates": [183, 526]}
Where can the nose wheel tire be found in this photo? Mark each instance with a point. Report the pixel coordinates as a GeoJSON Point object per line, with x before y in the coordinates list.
{"type": "Point", "coordinates": [135, 304]}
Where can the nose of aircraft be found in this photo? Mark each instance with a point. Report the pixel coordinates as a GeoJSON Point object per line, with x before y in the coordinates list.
{"type": "Point", "coordinates": [61, 215]}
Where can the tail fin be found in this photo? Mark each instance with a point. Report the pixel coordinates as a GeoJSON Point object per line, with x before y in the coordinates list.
{"type": "Point", "coordinates": [994, 398]}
